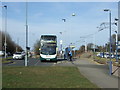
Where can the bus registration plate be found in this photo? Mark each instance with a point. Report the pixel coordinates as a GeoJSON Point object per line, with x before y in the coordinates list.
{"type": "Point", "coordinates": [48, 56]}
{"type": "Point", "coordinates": [48, 59]}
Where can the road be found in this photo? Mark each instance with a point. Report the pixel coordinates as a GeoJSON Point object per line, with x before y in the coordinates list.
{"type": "Point", "coordinates": [37, 62]}
{"type": "Point", "coordinates": [31, 62]}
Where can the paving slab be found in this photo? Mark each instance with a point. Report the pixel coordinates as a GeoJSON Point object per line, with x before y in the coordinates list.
{"type": "Point", "coordinates": [97, 73]}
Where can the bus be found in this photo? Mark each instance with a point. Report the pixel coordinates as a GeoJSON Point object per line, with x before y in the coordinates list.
{"type": "Point", "coordinates": [48, 48]}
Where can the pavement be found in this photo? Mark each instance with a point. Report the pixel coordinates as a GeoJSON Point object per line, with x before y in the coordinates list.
{"type": "Point", "coordinates": [94, 72]}
{"type": "Point", "coordinates": [116, 71]}
{"type": "Point", "coordinates": [97, 73]}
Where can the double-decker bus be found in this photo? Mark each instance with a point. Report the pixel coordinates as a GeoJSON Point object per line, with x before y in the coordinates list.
{"type": "Point", "coordinates": [48, 48]}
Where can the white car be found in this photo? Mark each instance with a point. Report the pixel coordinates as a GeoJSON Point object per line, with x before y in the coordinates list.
{"type": "Point", "coordinates": [108, 56]}
{"type": "Point", "coordinates": [1, 53]}
{"type": "Point", "coordinates": [18, 55]}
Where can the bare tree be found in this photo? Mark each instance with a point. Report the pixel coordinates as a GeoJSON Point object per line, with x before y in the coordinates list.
{"type": "Point", "coordinates": [36, 47]}
{"type": "Point", "coordinates": [11, 45]}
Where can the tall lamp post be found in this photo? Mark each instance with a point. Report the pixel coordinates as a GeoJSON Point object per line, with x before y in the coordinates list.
{"type": "Point", "coordinates": [5, 30]}
{"type": "Point", "coordinates": [61, 45]}
{"type": "Point", "coordinates": [116, 41]}
{"type": "Point", "coordinates": [26, 57]}
{"type": "Point", "coordinates": [5, 44]}
{"type": "Point", "coordinates": [110, 62]}
{"type": "Point", "coordinates": [85, 43]}
{"type": "Point", "coordinates": [5, 18]}
{"type": "Point", "coordinates": [116, 45]}
{"type": "Point", "coordinates": [61, 41]}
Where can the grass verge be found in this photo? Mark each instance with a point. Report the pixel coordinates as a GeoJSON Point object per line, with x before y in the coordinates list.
{"type": "Point", "coordinates": [106, 61]}
{"type": "Point", "coordinates": [44, 77]}
{"type": "Point", "coordinates": [7, 60]}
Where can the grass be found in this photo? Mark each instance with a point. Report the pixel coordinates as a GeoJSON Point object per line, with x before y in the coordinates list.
{"type": "Point", "coordinates": [7, 60]}
{"type": "Point", "coordinates": [44, 77]}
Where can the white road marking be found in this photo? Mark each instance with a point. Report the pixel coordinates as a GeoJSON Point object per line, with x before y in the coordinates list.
{"type": "Point", "coordinates": [36, 63]}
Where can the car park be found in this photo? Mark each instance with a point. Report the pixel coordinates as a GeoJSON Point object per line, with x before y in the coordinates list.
{"type": "Point", "coordinates": [18, 55]}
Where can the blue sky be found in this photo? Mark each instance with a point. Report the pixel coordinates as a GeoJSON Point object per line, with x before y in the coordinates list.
{"type": "Point", "coordinates": [46, 18]}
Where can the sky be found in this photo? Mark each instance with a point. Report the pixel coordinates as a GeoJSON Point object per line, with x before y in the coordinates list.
{"type": "Point", "coordinates": [46, 18]}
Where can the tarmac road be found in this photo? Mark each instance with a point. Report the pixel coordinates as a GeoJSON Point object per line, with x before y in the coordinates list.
{"type": "Point", "coordinates": [31, 62]}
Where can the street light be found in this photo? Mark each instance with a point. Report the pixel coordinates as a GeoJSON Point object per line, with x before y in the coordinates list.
{"type": "Point", "coordinates": [61, 41]}
{"type": "Point", "coordinates": [5, 44]}
{"type": "Point", "coordinates": [110, 62]}
{"type": "Point", "coordinates": [26, 56]}
{"type": "Point", "coordinates": [85, 43]}
{"type": "Point", "coordinates": [73, 14]}
{"type": "Point", "coordinates": [116, 41]}
{"type": "Point", "coordinates": [61, 45]}
{"type": "Point", "coordinates": [116, 32]}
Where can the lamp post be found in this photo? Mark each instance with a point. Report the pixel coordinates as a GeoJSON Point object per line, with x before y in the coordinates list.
{"type": "Point", "coordinates": [61, 45]}
{"type": "Point", "coordinates": [116, 41]}
{"type": "Point", "coordinates": [94, 46]}
{"type": "Point", "coordinates": [26, 56]}
{"type": "Point", "coordinates": [110, 62]}
{"type": "Point", "coordinates": [61, 41]}
{"type": "Point", "coordinates": [5, 44]}
{"type": "Point", "coordinates": [116, 45]}
{"type": "Point", "coordinates": [85, 43]}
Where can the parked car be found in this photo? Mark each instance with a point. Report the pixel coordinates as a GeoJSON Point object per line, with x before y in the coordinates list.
{"type": "Point", "coordinates": [23, 53]}
{"type": "Point", "coordinates": [1, 53]}
{"type": "Point", "coordinates": [117, 56]}
{"type": "Point", "coordinates": [18, 55]}
{"type": "Point", "coordinates": [100, 55]}
{"type": "Point", "coordinates": [108, 56]}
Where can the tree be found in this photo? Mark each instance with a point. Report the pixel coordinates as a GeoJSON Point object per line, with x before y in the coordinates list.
{"type": "Point", "coordinates": [90, 46]}
{"type": "Point", "coordinates": [82, 49]}
{"type": "Point", "coordinates": [37, 47]}
{"type": "Point", "coordinates": [11, 45]}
